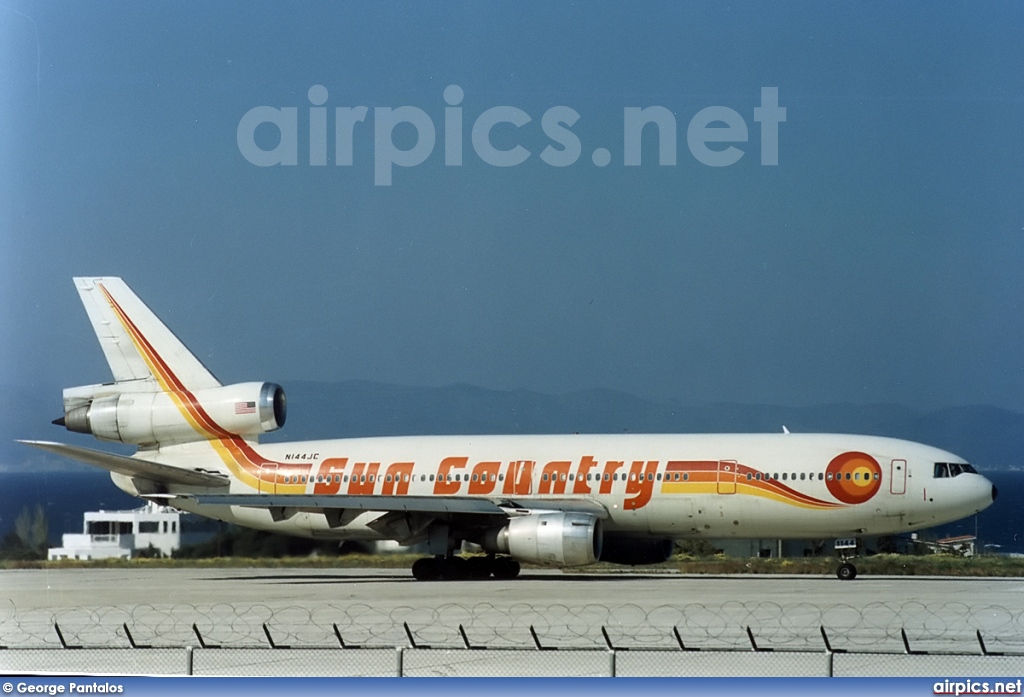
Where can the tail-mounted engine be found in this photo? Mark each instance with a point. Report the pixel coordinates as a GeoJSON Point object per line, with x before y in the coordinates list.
{"type": "Point", "coordinates": [118, 412]}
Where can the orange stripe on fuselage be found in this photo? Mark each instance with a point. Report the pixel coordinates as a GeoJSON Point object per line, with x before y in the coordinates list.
{"type": "Point", "coordinates": [702, 473]}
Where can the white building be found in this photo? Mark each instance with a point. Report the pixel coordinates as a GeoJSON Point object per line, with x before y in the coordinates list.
{"type": "Point", "coordinates": [107, 534]}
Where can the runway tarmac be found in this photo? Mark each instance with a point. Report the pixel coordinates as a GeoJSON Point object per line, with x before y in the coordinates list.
{"type": "Point", "coordinates": [58, 589]}
{"type": "Point", "coordinates": [312, 607]}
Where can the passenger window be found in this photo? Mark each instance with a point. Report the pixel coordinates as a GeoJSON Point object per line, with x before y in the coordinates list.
{"type": "Point", "coordinates": [802, 476]}
{"type": "Point", "coordinates": [821, 475]}
{"type": "Point", "coordinates": [686, 476]}
{"type": "Point", "coordinates": [783, 476]}
{"type": "Point", "coordinates": [829, 476]}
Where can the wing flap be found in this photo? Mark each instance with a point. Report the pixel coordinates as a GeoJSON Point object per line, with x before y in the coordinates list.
{"type": "Point", "coordinates": [539, 505]}
{"type": "Point", "coordinates": [131, 466]}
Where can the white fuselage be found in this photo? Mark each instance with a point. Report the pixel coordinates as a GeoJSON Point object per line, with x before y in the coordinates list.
{"type": "Point", "coordinates": [715, 485]}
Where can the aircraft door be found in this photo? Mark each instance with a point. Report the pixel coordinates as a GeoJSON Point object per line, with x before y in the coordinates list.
{"type": "Point", "coordinates": [268, 479]}
{"type": "Point", "coordinates": [727, 476]}
{"type": "Point", "coordinates": [522, 476]}
{"type": "Point", "coordinates": [898, 477]}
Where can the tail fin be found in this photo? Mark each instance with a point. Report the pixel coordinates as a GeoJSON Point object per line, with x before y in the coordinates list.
{"type": "Point", "coordinates": [161, 394]}
{"type": "Point", "coordinates": [137, 345]}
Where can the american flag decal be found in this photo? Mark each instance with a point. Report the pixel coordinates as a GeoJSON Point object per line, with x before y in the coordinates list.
{"type": "Point", "coordinates": [245, 407]}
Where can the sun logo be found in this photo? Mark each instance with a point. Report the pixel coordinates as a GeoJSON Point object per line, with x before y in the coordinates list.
{"type": "Point", "coordinates": [853, 477]}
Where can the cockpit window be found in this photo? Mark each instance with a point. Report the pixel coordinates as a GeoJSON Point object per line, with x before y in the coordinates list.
{"type": "Point", "coordinates": [952, 469]}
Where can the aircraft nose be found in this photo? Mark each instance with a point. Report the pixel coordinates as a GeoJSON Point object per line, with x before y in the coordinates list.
{"type": "Point", "coordinates": [995, 492]}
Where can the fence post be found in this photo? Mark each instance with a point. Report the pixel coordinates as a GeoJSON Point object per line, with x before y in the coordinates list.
{"type": "Point", "coordinates": [611, 663]}
{"type": "Point", "coordinates": [400, 658]}
{"type": "Point", "coordinates": [188, 660]}
{"type": "Point", "coordinates": [829, 664]}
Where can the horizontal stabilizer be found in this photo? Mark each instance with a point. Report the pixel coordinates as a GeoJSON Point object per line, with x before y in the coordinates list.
{"type": "Point", "coordinates": [133, 467]}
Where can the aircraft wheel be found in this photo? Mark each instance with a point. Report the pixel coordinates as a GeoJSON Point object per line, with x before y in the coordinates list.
{"type": "Point", "coordinates": [426, 569]}
{"type": "Point", "coordinates": [454, 569]}
{"type": "Point", "coordinates": [846, 571]}
{"type": "Point", "coordinates": [506, 568]}
{"type": "Point", "coordinates": [479, 567]}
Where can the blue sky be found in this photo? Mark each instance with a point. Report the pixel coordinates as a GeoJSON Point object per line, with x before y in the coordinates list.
{"type": "Point", "coordinates": [879, 261]}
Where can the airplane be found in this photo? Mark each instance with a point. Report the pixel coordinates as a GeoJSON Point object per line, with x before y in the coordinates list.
{"type": "Point", "coordinates": [551, 500]}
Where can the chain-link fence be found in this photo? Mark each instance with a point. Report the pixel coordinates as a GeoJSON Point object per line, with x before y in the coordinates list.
{"type": "Point", "coordinates": [733, 639]}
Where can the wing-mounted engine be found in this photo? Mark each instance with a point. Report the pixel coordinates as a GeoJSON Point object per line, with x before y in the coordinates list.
{"type": "Point", "coordinates": [134, 412]}
{"type": "Point", "coordinates": [552, 539]}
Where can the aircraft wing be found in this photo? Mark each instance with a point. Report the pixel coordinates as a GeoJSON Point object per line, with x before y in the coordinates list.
{"type": "Point", "coordinates": [133, 467]}
{"type": "Point", "coordinates": [408, 504]}
{"type": "Point", "coordinates": [412, 504]}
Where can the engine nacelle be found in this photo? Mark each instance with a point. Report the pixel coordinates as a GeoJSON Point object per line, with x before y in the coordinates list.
{"type": "Point", "coordinates": [147, 418]}
{"type": "Point", "coordinates": [633, 551]}
{"type": "Point", "coordinates": [552, 539]}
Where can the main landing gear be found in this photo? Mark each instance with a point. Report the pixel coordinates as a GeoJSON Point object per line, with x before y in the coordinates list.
{"type": "Point", "coordinates": [452, 568]}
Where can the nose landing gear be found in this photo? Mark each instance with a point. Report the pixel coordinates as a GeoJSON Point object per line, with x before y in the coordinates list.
{"type": "Point", "coordinates": [847, 550]}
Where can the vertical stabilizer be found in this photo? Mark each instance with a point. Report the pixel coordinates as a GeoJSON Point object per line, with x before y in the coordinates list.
{"type": "Point", "coordinates": [137, 345]}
